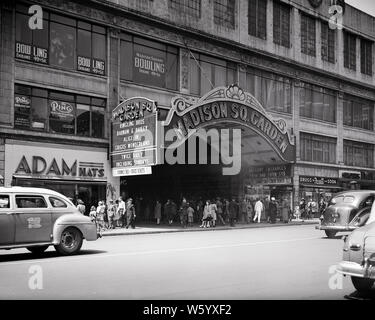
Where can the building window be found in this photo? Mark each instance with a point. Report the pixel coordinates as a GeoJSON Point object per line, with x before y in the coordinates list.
{"type": "Point", "coordinates": [224, 11]}
{"type": "Point", "coordinates": [272, 91]}
{"type": "Point", "coordinates": [58, 112]}
{"type": "Point", "coordinates": [317, 148]}
{"type": "Point", "coordinates": [308, 37]}
{"type": "Point", "coordinates": [281, 24]}
{"type": "Point", "coordinates": [148, 62]}
{"type": "Point", "coordinates": [63, 42]}
{"type": "Point", "coordinates": [257, 14]}
{"type": "Point", "coordinates": [188, 7]}
{"type": "Point", "coordinates": [350, 50]}
{"type": "Point", "coordinates": [208, 72]}
{"type": "Point", "coordinates": [328, 42]}
{"type": "Point", "coordinates": [358, 154]}
{"type": "Point", "coordinates": [366, 57]}
{"type": "Point", "coordinates": [317, 103]}
{"type": "Point", "coordinates": [358, 113]}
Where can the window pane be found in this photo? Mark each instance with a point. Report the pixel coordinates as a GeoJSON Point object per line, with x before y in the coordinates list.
{"type": "Point", "coordinates": [97, 124]}
{"type": "Point", "coordinates": [98, 102]}
{"type": "Point", "coordinates": [84, 43]}
{"type": "Point", "coordinates": [83, 120]}
{"type": "Point", "coordinates": [62, 48]}
{"type": "Point", "coordinates": [194, 77]}
{"type": "Point", "coordinates": [99, 46]}
{"type": "Point", "coordinates": [23, 32]}
{"type": "Point", "coordinates": [30, 202]}
{"type": "Point", "coordinates": [171, 71]}
{"type": "Point", "coordinates": [22, 113]}
{"type": "Point", "coordinates": [39, 113]}
{"type": "Point", "coordinates": [40, 36]}
{"type": "Point", "coordinates": [57, 203]}
{"type": "Point", "coordinates": [62, 116]}
{"type": "Point", "coordinates": [4, 201]}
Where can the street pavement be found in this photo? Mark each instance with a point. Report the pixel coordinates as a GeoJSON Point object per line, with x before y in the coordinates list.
{"type": "Point", "coordinates": [282, 262]}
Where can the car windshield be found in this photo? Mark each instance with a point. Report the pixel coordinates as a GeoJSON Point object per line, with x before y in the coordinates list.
{"type": "Point", "coordinates": [372, 214]}
{"type": "Point", "coordinates": [342, 199]}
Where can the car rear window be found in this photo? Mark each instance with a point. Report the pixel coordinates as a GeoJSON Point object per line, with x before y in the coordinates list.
{"type": "Point", "coordinates": [57, 203]}
{"type": "Point", "coordinates": [4, 201]}
{"type": "Point", "coordinates": [25, 201]}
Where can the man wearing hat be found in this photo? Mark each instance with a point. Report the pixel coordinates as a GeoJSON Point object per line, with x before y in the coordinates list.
{"type": "Point", "coordinates": [130, 214]}
{"type": "Point", "coordinates": [273, 210]}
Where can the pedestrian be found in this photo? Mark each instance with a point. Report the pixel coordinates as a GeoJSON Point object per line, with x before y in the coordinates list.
{"type": "Point", "coordinates": [100, 217]}
{"type": "Point", "coordinates": [190, 212]}
{"type": "Point", "coordinates": [213, 209]}
{"type": "Point", "coordinates": [258, 208]}
{"type": "Point", "coordinates": [226, 210]}
{"type": "Point", "coordinates": [105, 214]}
{"type": "Point", "coordinates": [183, 213]}
{"type": "Point", "coordinates": [273, 208]}
{"type": "Point", "coordinates": [200, 207]}
{"type": "Point", "coordinates": [244, 210]}
{"type": "Point", "coordinates": [285, 210]}
{"type": "Point", "coordinates": [206, 215]}
{"type": "Point", "coordinates": [302, 208]}
{"type": "Point", "coordinates": [157, 212]}
{"type": "Point", "coordinates": [173, 211]}
{"type": "Point", "coordinates": [168, 211]}
{"type": "Point", "coordinates": [322, 205]}
{"type": "Point", "coordinates": [233, 209]}
{"type": "Point", "coordinates": [81, 206]}
{"type": "Point", "coordinates": [92, 214]}
{"type": "Point", "coordinates": [130, 214]}
{"type": "Point", "coordinates": [249, 211]}
{"type": "Point", "coordinates": [117, 217]}
{"type": "Point", "coordinates": [220, 211]}
{"type": "Point", "coordinates": [121, 212]}
{"type": "Point", "coordinates": [111, 209]}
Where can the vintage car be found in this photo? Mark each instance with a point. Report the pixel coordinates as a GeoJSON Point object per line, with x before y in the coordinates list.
{"type": "Point", "coordinates": [346, 211]}
{"type": "Point", "coordinates": [359, 255]}
{"type": "Point", "coordinates": [36, 218]}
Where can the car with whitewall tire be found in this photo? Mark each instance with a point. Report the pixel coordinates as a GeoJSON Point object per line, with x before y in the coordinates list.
{"type": "Point", "coordinates": [36, 218]}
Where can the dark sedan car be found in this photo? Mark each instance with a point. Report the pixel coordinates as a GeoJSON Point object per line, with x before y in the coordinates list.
{"type": "Point", "coordinates": [346, 211]}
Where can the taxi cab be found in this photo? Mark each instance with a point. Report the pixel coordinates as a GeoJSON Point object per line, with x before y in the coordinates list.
{"type": "Point", "coordinates": [346, 211]}
{"type": "Point", "coordinates": [359, 255]}
{"type": "Point", "coordinates": [36, 218]}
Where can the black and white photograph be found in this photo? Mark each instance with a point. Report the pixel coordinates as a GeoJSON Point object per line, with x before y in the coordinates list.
{"type": "Point", "coordinates": [186, 155]}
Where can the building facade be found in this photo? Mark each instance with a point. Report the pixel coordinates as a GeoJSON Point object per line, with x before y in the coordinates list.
{"type": "Point", "coordinates": [59, 85]}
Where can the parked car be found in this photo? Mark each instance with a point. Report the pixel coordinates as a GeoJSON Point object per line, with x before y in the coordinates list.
{"type": "Point", "coordinates": [346, 211]}
{"type": "Point", "coordinates": [36, 218]}
{"type": "Point", "coordinates": [359, 255]}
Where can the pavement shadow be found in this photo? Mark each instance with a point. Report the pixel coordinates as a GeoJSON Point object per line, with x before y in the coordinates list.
{"type": "Point", "coordinates": [45, 255]}
{"type": "Point", "coordinates": [332, 238]}
{"type": "Point", "coordinates": [358, 296]}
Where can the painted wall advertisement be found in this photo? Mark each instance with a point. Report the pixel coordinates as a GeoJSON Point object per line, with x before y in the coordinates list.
{"type": "Point", "coordinates": [149, 66]}
{"type": "Point", "coordinates": [90, 65]}
{"type": "Point", "coordinates": [31, 53]}
{"type": "Point", "coordinates": [22, 105]}
{"type": "Point", "coordinates": [134, 137]}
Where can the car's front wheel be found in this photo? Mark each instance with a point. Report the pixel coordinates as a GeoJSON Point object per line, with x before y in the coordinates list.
{"type": "Point", "coordinates": [37, 249]}
{"type": "Point", "coordinates": [71, 241]}
{"type": "Point", "coordinates": [330, 233]}
{"type": "Point", "coordinates": [363, 285]}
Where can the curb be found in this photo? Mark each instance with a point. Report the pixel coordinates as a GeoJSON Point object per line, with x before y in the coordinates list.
{"type": "Point", "coordinates": [197, 229]}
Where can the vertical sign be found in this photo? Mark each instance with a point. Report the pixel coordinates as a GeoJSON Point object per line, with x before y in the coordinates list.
{"type": "Point", "coordinates": [134, 137]}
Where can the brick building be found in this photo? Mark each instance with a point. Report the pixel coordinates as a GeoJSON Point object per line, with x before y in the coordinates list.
{"type": "Point", "coordinates": [59, 85]}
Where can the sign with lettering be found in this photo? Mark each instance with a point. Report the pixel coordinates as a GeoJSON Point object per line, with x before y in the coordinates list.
{"type": "Point", "coordinates": [31, 53]}
{"type": "Point", "coordinates": [149, 65]}
{"type": "Point", "coordinates": [133, 135]}
{"type": "Point", "coordinates": [46, 161]}
{"type": "Point", "coordinates": [318, 181]}
{"type": "Point", "coordinates": [280, 174]}
{"type": "Point", "coordinates": [135, 171]}
{"type": "Point", "coordinates": [22, 105]}
{"type": "Point", "coordinates": [95, 66]}
{"type": "Point", "coordinates": [229, 105]}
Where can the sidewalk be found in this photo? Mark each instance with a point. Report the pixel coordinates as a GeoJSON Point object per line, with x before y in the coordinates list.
{"type": "Point", "coordinates": [163, 228]}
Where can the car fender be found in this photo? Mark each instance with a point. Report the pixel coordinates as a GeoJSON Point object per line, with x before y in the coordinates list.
{"type": "Point", "coordinates": [76, 220]}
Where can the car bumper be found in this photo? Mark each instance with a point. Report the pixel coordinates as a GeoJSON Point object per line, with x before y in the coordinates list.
{"type": "Point", "coordinates": [354, 269]}
{"type": "Point", "coordinates": [335, 228]}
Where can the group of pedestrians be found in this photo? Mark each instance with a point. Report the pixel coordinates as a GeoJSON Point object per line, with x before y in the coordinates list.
{"type": "Point", "coordinates": [115, 214]}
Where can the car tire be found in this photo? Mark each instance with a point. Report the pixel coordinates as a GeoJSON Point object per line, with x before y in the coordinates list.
{"type": "Point", "coordinates": [71, 241]}
{"type": "Point", "coordinates": [37, 249]}
{"type": "Point", "coordinates": [330, 233]}
{"type": "Point", "coordinates": [362, 285]}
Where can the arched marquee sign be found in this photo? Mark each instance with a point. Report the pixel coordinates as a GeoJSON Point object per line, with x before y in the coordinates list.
{"type": "Point", "coordinates": [233, 106]}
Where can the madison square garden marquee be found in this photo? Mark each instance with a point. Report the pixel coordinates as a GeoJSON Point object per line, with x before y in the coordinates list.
{"type": "Point", "coordinates": [223, 144]}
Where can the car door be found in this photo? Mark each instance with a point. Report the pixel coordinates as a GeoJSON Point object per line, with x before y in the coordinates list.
{"type": "Point", "coordinates": [7, 221]}
{"type": "Point", "coordinates": [32, 218]}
